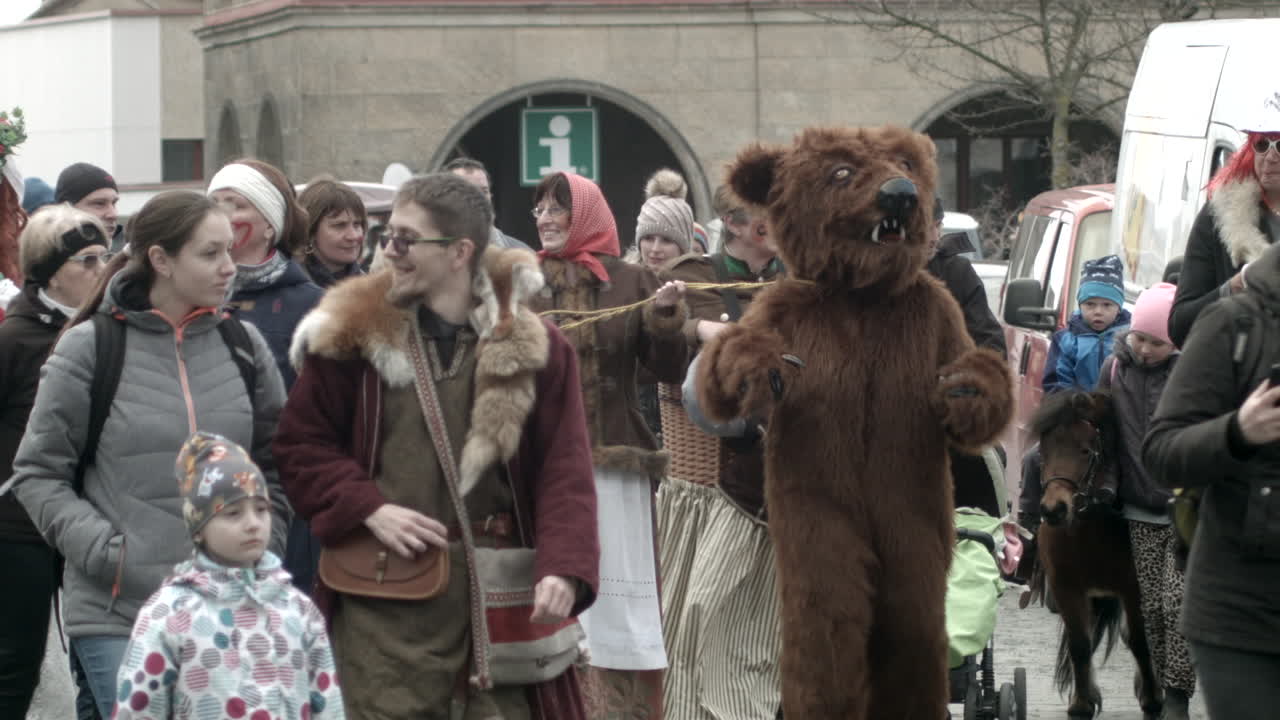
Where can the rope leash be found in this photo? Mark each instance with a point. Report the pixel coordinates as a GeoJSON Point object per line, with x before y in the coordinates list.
{"type": "Point", "coordinates": [588, 317]}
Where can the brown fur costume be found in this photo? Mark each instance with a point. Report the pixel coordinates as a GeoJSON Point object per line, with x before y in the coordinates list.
{"type": "Point", "coordinates": [857, 482]}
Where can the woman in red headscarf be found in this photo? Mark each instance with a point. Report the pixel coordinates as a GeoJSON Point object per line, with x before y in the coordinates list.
{"type": "Point", "coordinates": [583, 272]}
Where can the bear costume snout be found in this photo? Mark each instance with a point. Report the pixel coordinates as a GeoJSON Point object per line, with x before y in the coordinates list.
{"type": "Point", "coordinates": [897, 198]}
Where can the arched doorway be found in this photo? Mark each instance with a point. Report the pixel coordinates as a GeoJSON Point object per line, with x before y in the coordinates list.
{"type": "Point", "coordinates": [993, 146]}
{"type": "Point", "coordinates": [634, 141]}
{"type": "Point", "coordinates": [229, 147]}
{"type": "Point", "coordinates": [270, 138]}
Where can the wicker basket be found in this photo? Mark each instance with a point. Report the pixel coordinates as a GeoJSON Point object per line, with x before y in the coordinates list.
{"type": "Point", "coordinates": [696, 457]}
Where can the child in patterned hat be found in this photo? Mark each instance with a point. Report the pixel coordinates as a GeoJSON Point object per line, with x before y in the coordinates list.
{"type": "Point", "coordinates": [227, 634]}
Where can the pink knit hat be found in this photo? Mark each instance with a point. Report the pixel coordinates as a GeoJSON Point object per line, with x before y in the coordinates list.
{"type": "Point", "coordinates": [1151, 312]}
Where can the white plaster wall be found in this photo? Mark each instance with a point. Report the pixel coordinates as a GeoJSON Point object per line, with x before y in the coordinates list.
{"type": "Point", "coordinates": [135, 108]}
{"type": "Point", "coordinates": [96, 100]}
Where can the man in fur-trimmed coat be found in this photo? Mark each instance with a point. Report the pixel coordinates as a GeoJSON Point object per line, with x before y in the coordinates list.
{"type": "Point", "coordinates": [355, 454]}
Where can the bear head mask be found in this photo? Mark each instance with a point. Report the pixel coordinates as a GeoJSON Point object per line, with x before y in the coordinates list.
{"type": "Point", "coordinates": [849, 208]}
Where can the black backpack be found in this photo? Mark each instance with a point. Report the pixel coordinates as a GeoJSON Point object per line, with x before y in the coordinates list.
{"type": "Point", "coordinates": [109, 337]}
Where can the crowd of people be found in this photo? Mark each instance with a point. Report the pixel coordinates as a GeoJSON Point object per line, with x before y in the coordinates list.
{"type": "Point", "coordinates": [269, 479]}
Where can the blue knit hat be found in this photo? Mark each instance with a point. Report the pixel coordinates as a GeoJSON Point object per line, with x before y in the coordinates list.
{"type": "Point", "coordinates": [37, 194]}
{"type": "Point", "coordinates": [1102, 278]}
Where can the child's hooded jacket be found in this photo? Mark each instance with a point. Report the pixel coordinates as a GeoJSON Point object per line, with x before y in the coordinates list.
{"type": "Point", "coordinates": [222, 642]}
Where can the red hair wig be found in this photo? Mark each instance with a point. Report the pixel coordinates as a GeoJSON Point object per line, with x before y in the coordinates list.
{"type": "Point", "coordinates": [12, 220]}
{"type": "Point", "coordinates": [1240, 167]}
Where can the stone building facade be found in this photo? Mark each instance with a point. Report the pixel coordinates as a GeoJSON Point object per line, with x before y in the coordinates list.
{"type": "Point", "coordinates": [320, 86]}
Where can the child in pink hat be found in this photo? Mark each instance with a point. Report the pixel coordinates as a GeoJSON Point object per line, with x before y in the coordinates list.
{"type": "Point", "coordinates": [1136, 375]}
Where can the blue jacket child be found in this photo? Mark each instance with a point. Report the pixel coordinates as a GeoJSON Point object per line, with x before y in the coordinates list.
{"type": "Point", "coordinates": [1078, 351]}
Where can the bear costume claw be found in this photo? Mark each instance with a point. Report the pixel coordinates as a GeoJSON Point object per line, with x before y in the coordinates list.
{"type": "Point", "coordinates": [744, 373]}
{"type": "Point", "coordinates": [976, 396]}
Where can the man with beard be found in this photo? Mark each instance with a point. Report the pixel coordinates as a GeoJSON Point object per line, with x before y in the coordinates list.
{"type": "Point", "coordinates": [356, 455]}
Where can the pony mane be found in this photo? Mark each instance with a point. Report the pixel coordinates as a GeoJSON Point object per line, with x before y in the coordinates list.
{"type": "Point", "coordinates": [1061, 409]}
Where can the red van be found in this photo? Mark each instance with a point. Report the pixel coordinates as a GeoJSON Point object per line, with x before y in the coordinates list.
{"type": "Point", "coordinates": [1060, 229]}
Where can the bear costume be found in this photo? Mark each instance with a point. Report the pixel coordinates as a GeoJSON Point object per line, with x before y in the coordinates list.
{"type": "Point", "coordinates": [861, 369]}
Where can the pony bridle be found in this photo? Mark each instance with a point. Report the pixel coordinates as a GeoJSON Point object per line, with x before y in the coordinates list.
{"type": "Point", "coordinates": [1082, 488]}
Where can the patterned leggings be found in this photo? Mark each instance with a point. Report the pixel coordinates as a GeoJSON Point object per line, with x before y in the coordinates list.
{"type": "Point", "coordinates": [1161, 584]}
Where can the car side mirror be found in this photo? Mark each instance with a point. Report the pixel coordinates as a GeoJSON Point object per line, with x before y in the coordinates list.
{"type": "Point", "coordinates": [1024, 306]}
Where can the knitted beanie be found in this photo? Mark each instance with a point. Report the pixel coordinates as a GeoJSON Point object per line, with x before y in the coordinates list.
{"type": "Point", "coordinates": [1151, 312]}
{"type": "Point", "coordinates": [1102, 278]}
{"type": "Point", "coordinates": [665, 211]}
{"type": "Point", "coordinates": [78, 180]}
{"type": "Point", "coordinates": [37, 196]}
{"type": "Point", "coordinates": [214, 472]}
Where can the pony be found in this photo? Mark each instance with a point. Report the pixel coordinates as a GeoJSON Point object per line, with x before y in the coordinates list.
{"type": "Point", "coordinates": [1084, 550]}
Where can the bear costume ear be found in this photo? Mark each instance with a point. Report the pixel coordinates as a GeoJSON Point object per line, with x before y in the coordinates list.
{"type": "Point", "coordinates": [751, 174]}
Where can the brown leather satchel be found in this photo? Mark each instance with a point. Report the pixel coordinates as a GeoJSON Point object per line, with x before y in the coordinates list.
{"type": "Point", "coordinates": [361, 565]}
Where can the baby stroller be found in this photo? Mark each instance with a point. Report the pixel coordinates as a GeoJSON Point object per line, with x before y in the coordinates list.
{"type": "Point", "coordinates": [974, 587]}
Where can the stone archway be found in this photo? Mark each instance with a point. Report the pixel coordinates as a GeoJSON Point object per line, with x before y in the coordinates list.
{"type": "Point", "coordinates": [992, 144]}
{"type": "Point", "coordinates": [641, 117]}
{"type": "Point", "coordinates": [229, 145]}
{"type": "Point", "coordinates": [270, 136]}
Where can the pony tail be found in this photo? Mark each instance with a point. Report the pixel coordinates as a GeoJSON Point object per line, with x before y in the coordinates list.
{"type": "Point", "coordinates": [90, 306]}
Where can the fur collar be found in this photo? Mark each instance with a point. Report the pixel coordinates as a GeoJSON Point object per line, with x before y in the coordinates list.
{"type": "Point", "coordinates": [354, 319]}
{"type": "Point", "coordinates": [1237, 215]}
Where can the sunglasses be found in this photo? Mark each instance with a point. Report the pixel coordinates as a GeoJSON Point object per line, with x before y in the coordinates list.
{"type": "Point", "coordinates": [1262, 145]}
{"type": "Point", "coordinates": [91, 261]}
{"type": "Point", "coordinates": [402, 243]}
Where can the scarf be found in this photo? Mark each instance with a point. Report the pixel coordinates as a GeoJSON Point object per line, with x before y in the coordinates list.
{"type": "Point", "coordinates": [591, 231]}
{"type": "Point", "coordinates": [258, 277]}
{"type": "Point", "coordinates": [68, 312]}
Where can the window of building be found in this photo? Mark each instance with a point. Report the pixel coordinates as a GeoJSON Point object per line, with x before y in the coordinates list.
{"type": "Point", "coordinates": [182, 160]}
{"type": "Point", "coordinates": [996, 146]}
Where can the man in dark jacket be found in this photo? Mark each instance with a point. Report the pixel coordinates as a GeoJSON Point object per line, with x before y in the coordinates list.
{"type": "Point", "coordinates": [974, 486]}
{"type": "Point", "coordinates": [1217, 427]}
{"type": "Point", "coordinates": [955, 271]}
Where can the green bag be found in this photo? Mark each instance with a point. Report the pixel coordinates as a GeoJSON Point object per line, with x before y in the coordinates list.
{"type": "Point", "coordinates": [974, 586]}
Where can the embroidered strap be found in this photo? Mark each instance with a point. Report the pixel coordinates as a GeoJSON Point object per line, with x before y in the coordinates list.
{"type": "Point", "coordinates": [434, 416]}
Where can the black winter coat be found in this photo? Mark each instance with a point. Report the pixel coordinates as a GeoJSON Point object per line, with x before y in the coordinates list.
{"type": "Point", "coordinates": [966, 287]}
{"type": "Point", "coordinates": [1231, 230]}
{"type": "Point", "coordinates": [276, 311]}
{"type": "Point", "coordinates": [1233, 574]}
{"type": "Point", "coordinates": [1135, 392]}
{"type": "Point", "coordinates": [26, 337]}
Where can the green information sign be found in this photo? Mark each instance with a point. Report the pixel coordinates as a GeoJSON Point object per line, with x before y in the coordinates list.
{"type": "Point", "coordinates": [558, 140]}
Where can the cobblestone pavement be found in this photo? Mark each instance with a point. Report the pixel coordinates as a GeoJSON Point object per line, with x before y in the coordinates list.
{"type": "Point", "coordinates": [1029, 638]}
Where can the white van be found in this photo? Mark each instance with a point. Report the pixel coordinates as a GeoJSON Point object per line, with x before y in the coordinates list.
{"type": "Point", "coordinates": [1197, 85]}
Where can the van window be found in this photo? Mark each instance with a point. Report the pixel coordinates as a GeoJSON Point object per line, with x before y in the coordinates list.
{"type": "Point", "coordinates": [1221, 154]}
{"type": "Point", "coordinates": [1060, 270]}
{"type": "Point", "coordinates": [1093, 240]}
{"type": "Point", "coordinates": [1031, 252]}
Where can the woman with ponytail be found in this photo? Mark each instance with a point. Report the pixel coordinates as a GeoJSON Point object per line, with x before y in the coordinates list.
{"type": "Point", "coordinates": [271, 289]}
{"type": "Point", "coordinates": [122, 530]}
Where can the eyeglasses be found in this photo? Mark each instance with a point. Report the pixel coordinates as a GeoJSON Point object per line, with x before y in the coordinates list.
{"type": "Point", "coordinates": [402, 243]}
{"type": "Point", "coordinates": [553, 210]}
{"type": "Point", "coordinates": [1262, 145]}
{"type": "Point", "coordinates": [90, 262]}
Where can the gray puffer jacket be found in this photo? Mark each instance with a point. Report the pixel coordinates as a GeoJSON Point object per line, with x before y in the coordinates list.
{"type": "Point", "coordinates": [125, 534]}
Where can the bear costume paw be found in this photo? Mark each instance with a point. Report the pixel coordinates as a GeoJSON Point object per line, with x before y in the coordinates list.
{"type": "Point", "coordinates": [742, 374]}
{"type": "Point", "coordinates": [976, 396]}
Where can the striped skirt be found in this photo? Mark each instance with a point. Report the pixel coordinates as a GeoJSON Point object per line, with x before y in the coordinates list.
{"type": "Point", "coordinates": [719, 607]}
